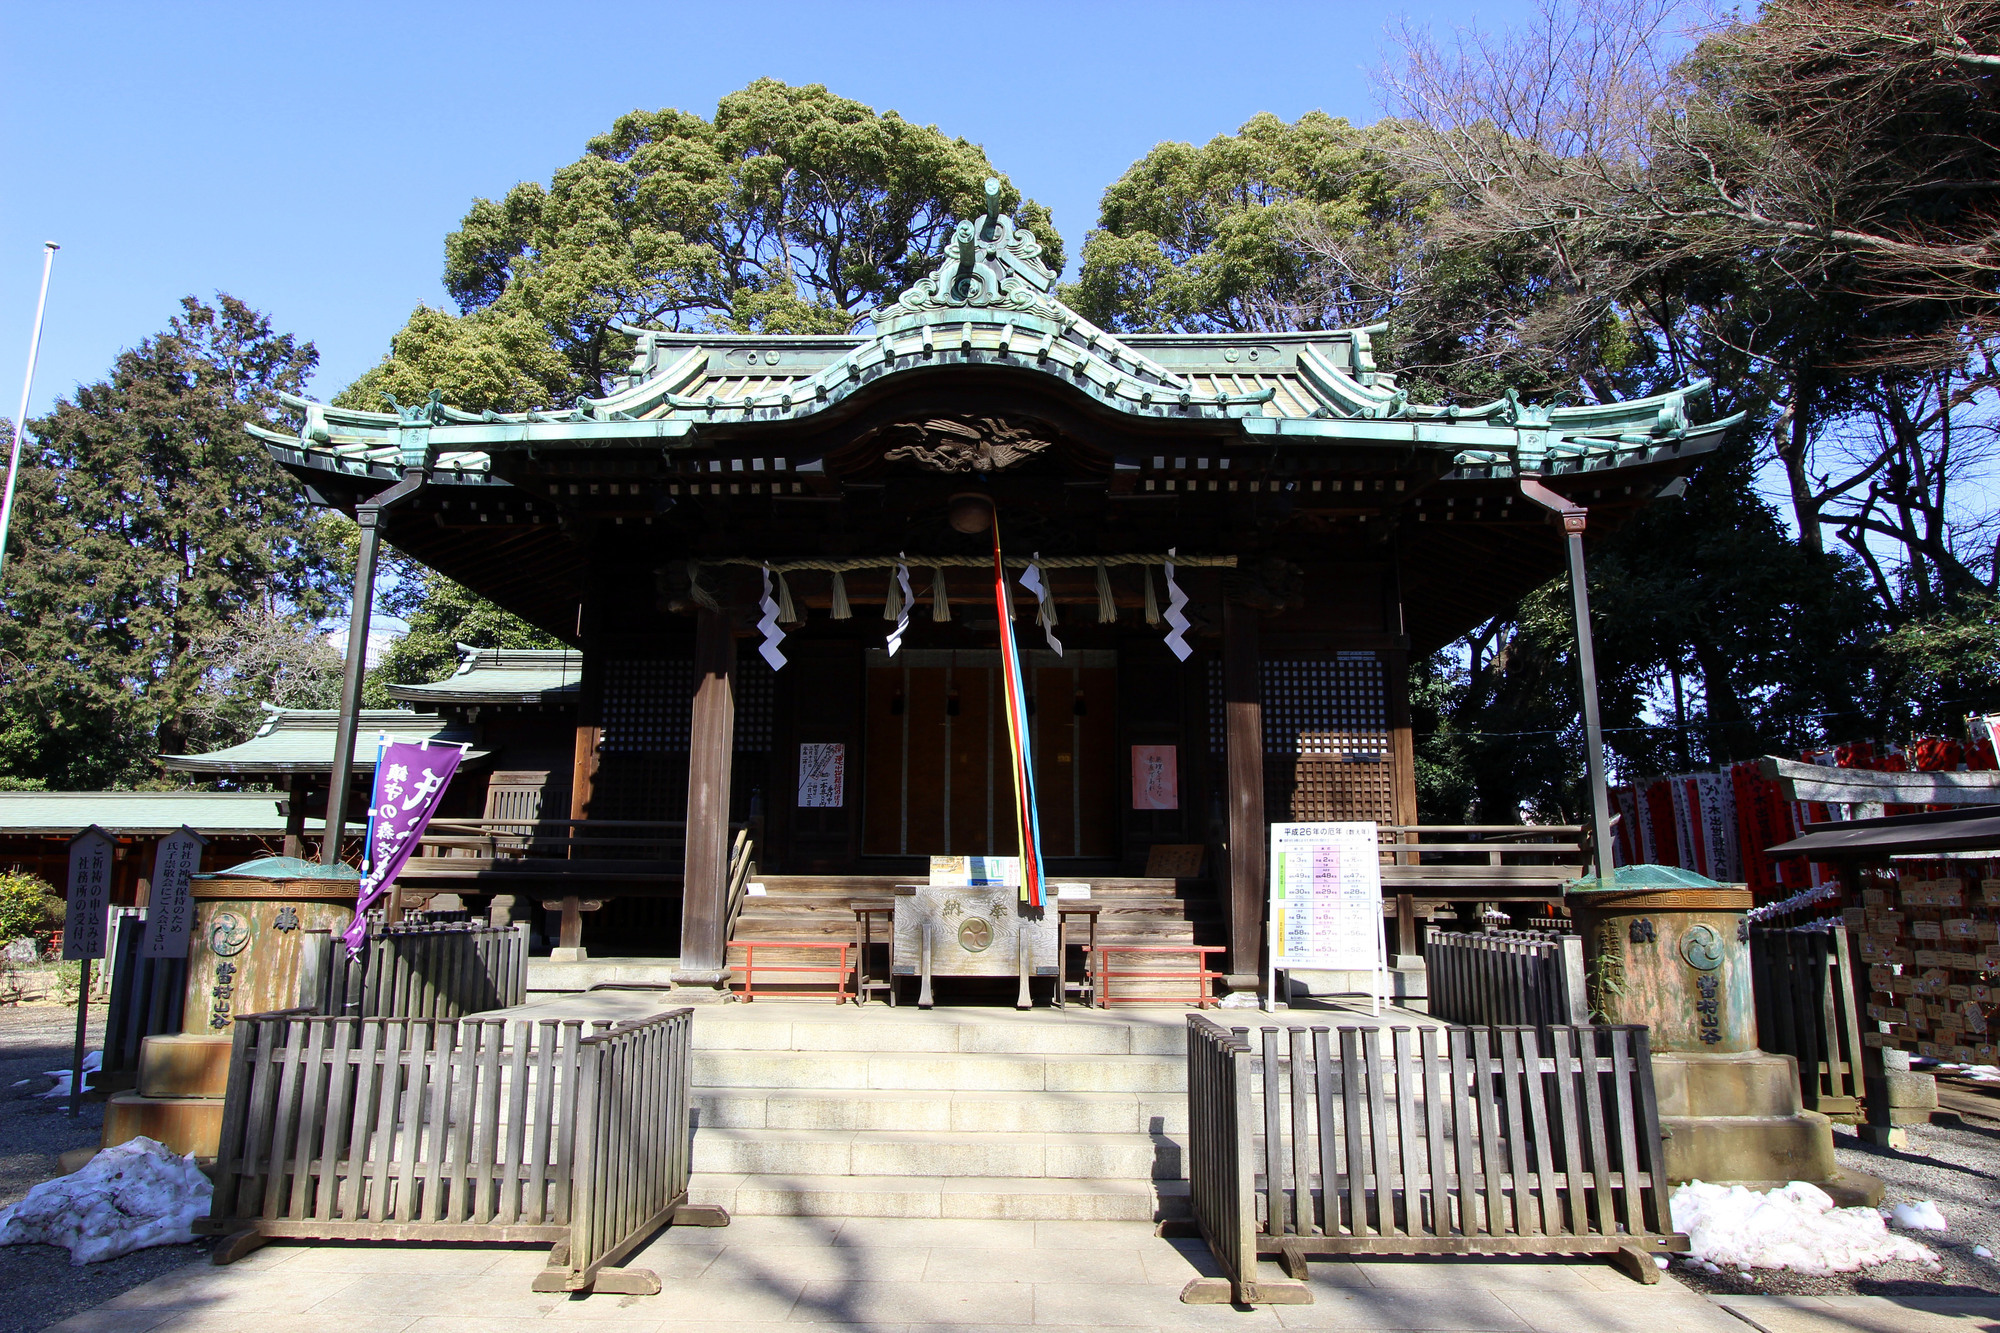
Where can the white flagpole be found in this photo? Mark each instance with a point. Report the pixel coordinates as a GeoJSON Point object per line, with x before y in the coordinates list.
{"type": "Point", "coordinates": [49, 249]}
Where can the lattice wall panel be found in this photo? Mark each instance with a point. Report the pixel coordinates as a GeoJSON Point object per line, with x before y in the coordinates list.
{"type": "Point", "coordinates": [1326, 736]}
{"type": "Point", "coordinates": [649, 704]}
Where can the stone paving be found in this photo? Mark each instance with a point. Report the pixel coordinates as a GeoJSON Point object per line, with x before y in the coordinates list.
{"type": "Point", "coordinates": [761, 1273]}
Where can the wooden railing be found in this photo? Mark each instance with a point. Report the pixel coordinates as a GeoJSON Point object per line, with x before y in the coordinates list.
{"type": "Point", "coordinates": [418, 971]}
{"type": "Point", "coordinates": [635, 850]}
{"type": "Point", "coordinates": [1530, 859]}
{"type": "Point", "coordinates": [1807, 1007]}
{"type": "Point", "coordinates": [562, 1131]}
{"type": "Point", "coordinates": [1506, 977]}
{"type": "Point", "coordinates": [741, 866]}
{"type": "Point", "coordinates": [1438, 1141]}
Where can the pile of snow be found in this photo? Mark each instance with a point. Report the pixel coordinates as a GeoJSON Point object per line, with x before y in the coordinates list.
{"type": "Point", "coordinates": [129, 1197]}
{"type": "Point", "coordinates": [1796, 1227]}
{"type": "Point", "coordinates": [1977, 1073]}
{"type": "Point", "coordinates": [91, 1064]}
{"type": "Point", "coordinates": [1923, 1215]}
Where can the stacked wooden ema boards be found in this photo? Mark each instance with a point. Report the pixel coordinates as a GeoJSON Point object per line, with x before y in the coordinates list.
{"type": "Point", "coordinates": [1932, 947]}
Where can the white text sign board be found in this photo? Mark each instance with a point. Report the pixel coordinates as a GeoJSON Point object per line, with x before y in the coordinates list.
{"type": "Point", "coordinates": [1326, 896]}
{"type": "Point", "coordinates": [87, 916]}
{"type": "Point", "coordinates": [169, 908]}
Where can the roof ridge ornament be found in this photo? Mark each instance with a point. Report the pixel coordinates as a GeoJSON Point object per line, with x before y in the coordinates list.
{"type": "Point", "coordinates": [989, 264]}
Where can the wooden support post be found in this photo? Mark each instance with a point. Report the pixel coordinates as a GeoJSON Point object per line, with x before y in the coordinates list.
{"type": "Point", "coordinates": [924, 971]}
{"type": "Point", "coordinates": [571, 934]}
{"type": "Point", "coordinates": [295, 818]}
{"type": "Point", "coordinates": [711, 747]}
{"type": "Point", "coordinates": [1406, 930]}
{"type": "Point", "coordinates": [1243, 723]}
{"type": "Point", "coordinates": [1022, 951]}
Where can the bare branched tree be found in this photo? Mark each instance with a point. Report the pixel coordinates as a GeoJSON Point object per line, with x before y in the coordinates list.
{"type": "Point", "coordinates": [261, 655]}
{"type": "Point", "coordinates": [1806, 207]}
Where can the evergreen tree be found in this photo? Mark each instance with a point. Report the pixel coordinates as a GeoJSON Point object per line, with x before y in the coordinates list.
{"type": "Point", "coordinates": [148, 522]}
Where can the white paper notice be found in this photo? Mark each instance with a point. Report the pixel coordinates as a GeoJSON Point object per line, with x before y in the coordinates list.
{"type": "Point", "coordinates": [822, 775]}
{"type": "Point", "coordinates": [1326, 895]}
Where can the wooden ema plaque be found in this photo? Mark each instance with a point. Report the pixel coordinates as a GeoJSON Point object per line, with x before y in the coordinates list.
{"type": "Point", "coordinates": [1931, 943]}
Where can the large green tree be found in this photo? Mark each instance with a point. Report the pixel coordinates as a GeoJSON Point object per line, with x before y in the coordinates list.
{"type": "Point", "coordinates": [1235, 235]}
{"type": "Point", "coordinates": [790, 211]}
{"type": "Point", "coordinates": [150, 530]}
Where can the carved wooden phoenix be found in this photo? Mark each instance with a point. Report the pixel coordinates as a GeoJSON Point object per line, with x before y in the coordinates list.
{"type": "Point", "coordinates": [971, 444]}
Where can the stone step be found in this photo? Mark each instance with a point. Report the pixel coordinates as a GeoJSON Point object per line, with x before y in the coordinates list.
{"type": "Point", "coordinates": [830, 1152]}
{"type": "Point", "coordinates": [984, 1197]}
{"type": "Point", "coordinates": [821, 1029]}
{"type": "Point", "coordinates": [938, 1071]}
{"type": "Point", "coordinates": [963, 1112]}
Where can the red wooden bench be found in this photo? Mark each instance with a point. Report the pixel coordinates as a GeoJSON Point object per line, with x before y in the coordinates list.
{"type": "Point", "coordinates": [1204, 996]}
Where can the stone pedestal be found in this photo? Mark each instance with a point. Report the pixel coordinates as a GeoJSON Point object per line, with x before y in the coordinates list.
{"type": "Point", "coordinates": [178, 1100]}
{"type": "Point", "coordinates": [1670, 949]}
{"type": "Point", "coordinates": [247, 954]}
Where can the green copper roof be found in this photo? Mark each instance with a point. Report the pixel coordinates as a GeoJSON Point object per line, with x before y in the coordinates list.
{"type": "Point", "coordinates": [503, 676]}
{"type": "Point", "coordinates": [300, 740]}
{"type": "Point", "coordinates": [1627, 879]}
{"type": "Point", "coordinates": [143, 813]}
{"type": "Point", "coordinates": [283, 867]}
{"type": "Point", "coordinates": [990, 302]}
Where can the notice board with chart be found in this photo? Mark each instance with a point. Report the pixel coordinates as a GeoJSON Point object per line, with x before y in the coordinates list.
{"type": "Point", "coordinates": [1326, 897]}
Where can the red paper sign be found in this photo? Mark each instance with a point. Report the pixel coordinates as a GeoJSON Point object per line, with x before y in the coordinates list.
{"type": "Point", "coordinates": [1155, 778]}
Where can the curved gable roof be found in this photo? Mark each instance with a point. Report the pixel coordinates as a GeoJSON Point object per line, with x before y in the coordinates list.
{"type": "Point", "coordinates": [990, 302]}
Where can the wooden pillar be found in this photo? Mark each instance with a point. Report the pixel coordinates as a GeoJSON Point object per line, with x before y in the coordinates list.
{"type": "Point", "coordinates": [1243, 733]}
{"type": "Point", "coordinates": [711, 746]}
{"type": "Point", "coordinates": [295, 817]}
{"type": "Point", "coordinates": [1407, 953]}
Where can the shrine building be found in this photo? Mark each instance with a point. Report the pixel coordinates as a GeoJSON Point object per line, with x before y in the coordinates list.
{"type": "Point", "coordinates": [810, 493]}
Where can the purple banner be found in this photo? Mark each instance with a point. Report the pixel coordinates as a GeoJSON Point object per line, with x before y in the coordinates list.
{"type": "Point", "coordinates": [410, 779]}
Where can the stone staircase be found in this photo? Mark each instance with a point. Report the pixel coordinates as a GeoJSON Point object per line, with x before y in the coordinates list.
{"type": "Point", "coordinates": [965, 1113]}
{"type": "Point", "coordinates": [819, 909]}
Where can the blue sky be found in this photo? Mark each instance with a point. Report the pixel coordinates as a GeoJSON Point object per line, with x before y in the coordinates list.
{"type": "Point", "coordinates": [310, 159]}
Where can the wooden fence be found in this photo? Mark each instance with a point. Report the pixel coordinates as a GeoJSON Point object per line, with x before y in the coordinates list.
{"type": "Point", "coordinates": [446, 970]}
{"type": "Point", "coordinates": [1433, 1141]}
{"type": "Point", "coordinates": [145, 1000]}
{"type": "Point", "coordinates": [1506, 977]}
{"type": "Point", "coordinates": [558, 1131]}
{"type": "Point", "coordinates": [1805, 990]}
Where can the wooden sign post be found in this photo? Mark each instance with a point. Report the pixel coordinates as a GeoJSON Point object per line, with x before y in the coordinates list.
{"type": "Point", "coordinates": [85, 924]}
{"type": "Point", "coordinates": [170, 913]}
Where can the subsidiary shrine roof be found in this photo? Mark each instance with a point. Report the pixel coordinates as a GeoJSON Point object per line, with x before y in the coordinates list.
{"type": "Point", "coordinates": [724, 446]}
{"type": "Point", "coordinates": [503, 676]}
{"type": "Point", "coordinates": [300, 740]}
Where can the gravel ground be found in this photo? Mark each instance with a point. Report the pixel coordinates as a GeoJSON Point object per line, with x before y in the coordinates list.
{"type": "Point", "coordinates": [42, 1288]}
{"type": "Point", "coordinates": [1954, 1161]}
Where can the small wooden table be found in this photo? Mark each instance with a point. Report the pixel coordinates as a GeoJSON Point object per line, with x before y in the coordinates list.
{"type": "Point", "coordinates": [864, 936]}
{"type": "Point", "coordinates": [1086, 989]}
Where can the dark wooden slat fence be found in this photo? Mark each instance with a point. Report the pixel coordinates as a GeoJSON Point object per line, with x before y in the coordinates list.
{"type": "Point", "coordinates": [145, 999]}
{"type": "Point", "coordinates": [556, 1131]}
{"type": "Point", "coordinates": [445, 970]}
{"type": "Point", "coordinates": [1426, 1141]}
{"type": "Point", "coordinates": [1806, 994]}
{"type": "Point", "coordinates": [1506, 977]}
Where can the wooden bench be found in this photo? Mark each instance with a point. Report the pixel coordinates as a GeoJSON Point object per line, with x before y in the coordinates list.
{"type": "Point", "coordinates": [1204, 996]}
{"type": "Point", "coordinates": [840, 971]}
